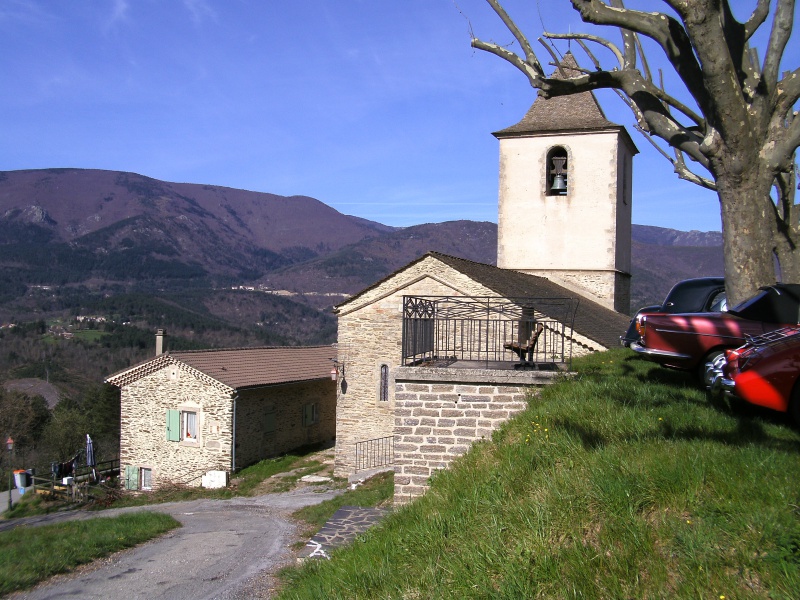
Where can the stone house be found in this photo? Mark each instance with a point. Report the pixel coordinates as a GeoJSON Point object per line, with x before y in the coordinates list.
{"type": "Point", "coordinates": [441, 352]}
{"type": "Point", "coordinates": [199, 416]}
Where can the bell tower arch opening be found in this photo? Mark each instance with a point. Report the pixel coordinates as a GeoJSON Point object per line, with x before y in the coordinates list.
{"type": "Point", "coordinates": [556, 175]}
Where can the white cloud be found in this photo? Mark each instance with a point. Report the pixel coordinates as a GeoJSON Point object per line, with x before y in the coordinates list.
{"type": "Point", "coordinates": [200, 10]}
{"type": "Point", "coordinates": [22, 11]}
{"type": "Point", "coordinates": [119, 14]}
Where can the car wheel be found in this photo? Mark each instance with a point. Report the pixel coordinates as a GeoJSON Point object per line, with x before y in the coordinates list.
{"type": "Point", "coordinates": [702, 371]}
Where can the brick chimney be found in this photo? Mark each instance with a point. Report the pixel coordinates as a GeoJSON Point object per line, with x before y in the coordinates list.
{"type": "Point", "coordinates": [160, 341]}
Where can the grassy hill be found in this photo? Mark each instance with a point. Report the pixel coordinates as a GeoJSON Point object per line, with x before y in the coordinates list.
{"type": "Point", "coordinates": [627, 482]}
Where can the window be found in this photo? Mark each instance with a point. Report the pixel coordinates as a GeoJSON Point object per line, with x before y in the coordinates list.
{"type": "Point", "coordinates": [182, 426]}
{"type": "Point", "coordinates": [556, 169]}
{"type": "Point", "coordinates": [188, 426]}
{"type": "Point", "coordinates": [145, 478]}
{"type": "Point", "coordinates": [310, 414]}
{"type": "Point", "coordinates": [383, 392]}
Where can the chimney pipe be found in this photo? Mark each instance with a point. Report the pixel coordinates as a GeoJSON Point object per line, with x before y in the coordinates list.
{"type": "Point", "coordinates": [160, 341]}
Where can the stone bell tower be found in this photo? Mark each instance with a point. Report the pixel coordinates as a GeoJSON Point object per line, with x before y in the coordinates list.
{"type": "Point", "coordinates": [565, 196]}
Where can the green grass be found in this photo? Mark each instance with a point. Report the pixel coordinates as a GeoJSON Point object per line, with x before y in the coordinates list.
{"type": "Point", "coordinates": [30, 505]}
{"type": "Point", "coordinates": [90, 335]}
{"type": "Point", "coordinates": [31, 554]}
{"type": "Point", "coordinates": [626, 482]}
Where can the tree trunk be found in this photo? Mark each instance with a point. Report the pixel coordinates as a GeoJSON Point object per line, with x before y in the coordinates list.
{"type": "Point", "coordinates": [787, 247]}
{"type": "Point", "coordinates": [788, 255]}
{"type": "Point", "coordinates": [748, 234]}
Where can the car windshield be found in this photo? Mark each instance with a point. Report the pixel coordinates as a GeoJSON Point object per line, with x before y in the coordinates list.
{"type": "Point", "coordinates": [773, 304]}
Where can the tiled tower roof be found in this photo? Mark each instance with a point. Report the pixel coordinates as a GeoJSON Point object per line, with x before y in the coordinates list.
{"type": "Point", "coordinates": [561, 113]}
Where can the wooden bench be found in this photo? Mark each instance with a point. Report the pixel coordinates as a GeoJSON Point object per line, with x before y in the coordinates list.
{"type": "Point", "coordinates": [525, 352]}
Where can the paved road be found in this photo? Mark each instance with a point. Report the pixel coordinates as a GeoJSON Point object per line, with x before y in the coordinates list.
{"type": "Point", "coordinates": [226, 549]}
{"type": "Point", "coordinates": [4, 499]}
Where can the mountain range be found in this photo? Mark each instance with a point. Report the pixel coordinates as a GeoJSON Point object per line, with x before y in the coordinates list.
{"type": "Point", "coordinates": [104, 233]}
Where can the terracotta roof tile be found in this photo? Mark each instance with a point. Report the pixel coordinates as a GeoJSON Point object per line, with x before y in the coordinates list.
{"type": "Point", "coordinates": [240, 368]}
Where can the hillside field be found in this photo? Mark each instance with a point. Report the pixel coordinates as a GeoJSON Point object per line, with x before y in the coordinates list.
{"type": "Point", "coordinates": [625, 482]}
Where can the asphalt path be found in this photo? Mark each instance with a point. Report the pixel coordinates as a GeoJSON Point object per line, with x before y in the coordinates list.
{"type": "Point", "coordinates": [4, 499]}
{"type": "Point", "coordinates": [226, 549]}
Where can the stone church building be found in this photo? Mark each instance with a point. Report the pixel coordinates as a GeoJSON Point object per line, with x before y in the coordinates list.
{"type": "Point", "coordinates": [441, 352]}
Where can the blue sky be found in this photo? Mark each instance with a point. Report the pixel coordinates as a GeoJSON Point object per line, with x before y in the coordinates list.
{"type": "Point", "coordinates": [378, 108]}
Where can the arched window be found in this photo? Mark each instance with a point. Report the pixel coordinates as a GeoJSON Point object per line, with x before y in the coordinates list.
{"type": "Point", "coordinates": [383, 392]}
{"type": "Point", "coordinates": [556, 172]}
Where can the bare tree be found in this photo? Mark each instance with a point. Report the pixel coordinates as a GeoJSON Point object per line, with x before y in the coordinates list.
{"type": "Point", "coordinates": [741, 126]}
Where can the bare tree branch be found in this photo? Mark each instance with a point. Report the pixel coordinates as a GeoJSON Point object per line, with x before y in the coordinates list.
{"type": "Point", "coordinates": [591, 38]}
{"type": "Point", "coordinates": [756, 19]}
{"type": "Point", "coordinates": [640, 120]}
{"type": "Point", "coordinates": [552, 54]}
{"type": "Point", "coordinates": [679, 165]}
{"type": "Point", "coordinates": [788, 91]}
{"type": "Point", "coordinates": [785, 184]}
{"type": "Point", "coordinates": [685, 173]}
{"type": "Point", "coordinates": [592, 57]}
{"type": "Point", "coordinates": [779, 36]}
{"type": "Point", "coordinates": [674, 102]}
{"type": "Point", "coordinates": [783, 153]}
{"type": "Point", "coordinates": [662, 29]}
{"type": "Point", "coordinates": [628, 41]}
{"type": "Point", "coordinates": [643, 58]}
{"type": "Point", "coordinates": [532, 74]}
{"type": "Point", "coordinates": [527, 49]}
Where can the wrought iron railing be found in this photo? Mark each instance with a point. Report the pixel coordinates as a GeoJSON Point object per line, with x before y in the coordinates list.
{"type": "Point", "coordinates": [375, 453]}
{"type": "Point", "coordinates": [488, 331]}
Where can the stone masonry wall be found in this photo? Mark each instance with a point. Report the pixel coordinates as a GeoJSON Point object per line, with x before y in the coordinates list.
{"type": "Point", "coordinates": [370, 334]}
{"type": "Point", "coordinates": [143, 440]}
{"type": "Point", "coordinates": [438, 418]}
{"type": "Point", "coordinates": [269, 420]}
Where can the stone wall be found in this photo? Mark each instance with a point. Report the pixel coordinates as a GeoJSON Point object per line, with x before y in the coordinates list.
{"type": "Point", "coordinates": [143, 425]}
{"type": "Point", "coordinates": [611, 289]}
{"type": "Point", "coordinates": [370, 335]}
{"type": "Point", "coordinates": [440, 413]}
{"type": "Point", "coordinates": [269, 420]}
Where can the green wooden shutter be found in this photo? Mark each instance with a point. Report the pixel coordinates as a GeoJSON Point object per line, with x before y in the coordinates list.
{"type": "Point", "coordinates": [308, 415]}
{"type": "Point", "coordinates": [131, 477]}
{"type": "Point", "coordinates": [173, 426]}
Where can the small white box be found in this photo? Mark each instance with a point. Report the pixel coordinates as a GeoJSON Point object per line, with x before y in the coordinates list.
{"type": "Point", "coordinates": [214, 479]}
{"type": "Point", "coordinates": [67, 481]}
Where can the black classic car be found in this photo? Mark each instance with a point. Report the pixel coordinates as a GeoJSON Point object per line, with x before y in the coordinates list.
{"type": "Point", "coordinates": [704, 294]}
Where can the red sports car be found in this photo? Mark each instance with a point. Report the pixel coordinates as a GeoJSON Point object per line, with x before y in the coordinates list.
{"type": "Point", "coordinates": [764, 371]}
{"type": "Point", "coordinates": [689, 340]}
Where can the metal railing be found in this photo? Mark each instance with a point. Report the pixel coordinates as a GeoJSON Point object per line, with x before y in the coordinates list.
{"type": "Point", "coordinates": [489, 331]}
{"type": "Point", "coordinates": [375, 453]}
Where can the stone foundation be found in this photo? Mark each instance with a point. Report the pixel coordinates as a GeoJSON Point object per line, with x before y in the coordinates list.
{"type": "Point", "coordinates": [440, 413]}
